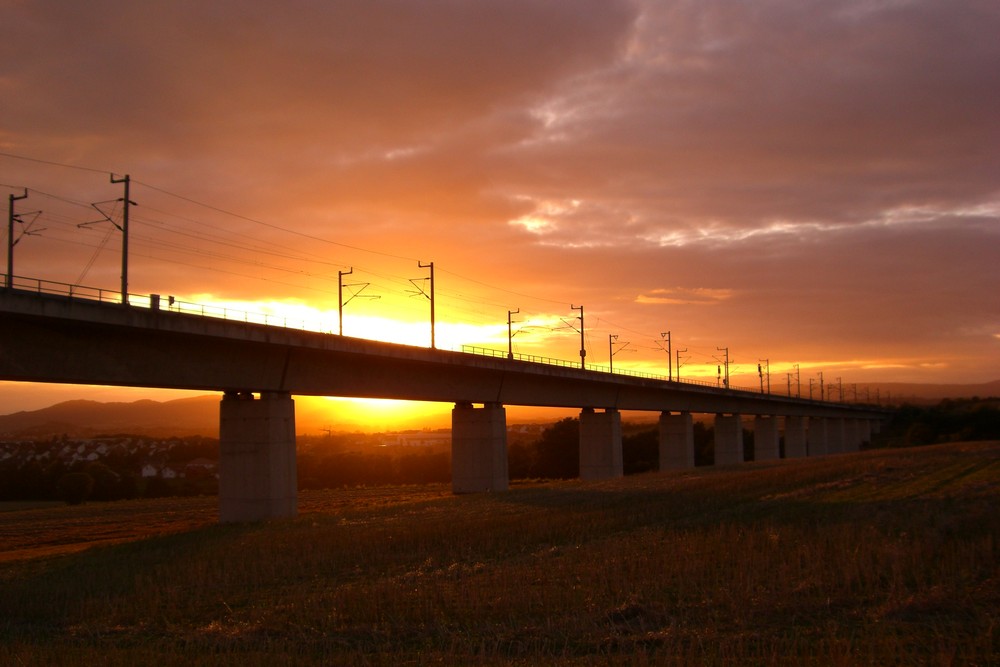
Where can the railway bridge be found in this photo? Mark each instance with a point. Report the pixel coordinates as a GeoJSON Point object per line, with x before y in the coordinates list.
{"type": "Point", "coordinates": [61, 334]}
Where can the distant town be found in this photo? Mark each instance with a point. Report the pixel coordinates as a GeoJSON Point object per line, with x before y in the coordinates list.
{"type": "Point", "coordinates": [130, 466]}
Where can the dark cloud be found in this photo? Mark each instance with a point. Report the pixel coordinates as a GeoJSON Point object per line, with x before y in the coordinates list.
{"type": "Point", "coordinates": [341, 77]}
{"type": "Point", "coordinates": [748, 113]}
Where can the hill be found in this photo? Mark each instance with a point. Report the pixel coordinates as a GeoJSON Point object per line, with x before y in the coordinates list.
{"type": "Point", "coordinates": [180, 417]}
{"type": "Point", "coordinates": [880, 557]}
{"type": "Point", "coordinates": [80, 418]}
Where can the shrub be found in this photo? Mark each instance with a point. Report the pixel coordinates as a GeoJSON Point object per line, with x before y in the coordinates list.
{"type": "Point", "coordinates": [74, 487]}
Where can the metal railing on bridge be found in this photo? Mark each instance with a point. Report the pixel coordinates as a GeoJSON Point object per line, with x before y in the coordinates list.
{"type": "Point", "coordinates": [531, 358]}
{"type": "Point", "coordinates": [159, 302]}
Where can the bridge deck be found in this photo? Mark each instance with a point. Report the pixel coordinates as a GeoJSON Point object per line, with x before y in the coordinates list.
{"type": "Point", "coordinates": [64, 339]}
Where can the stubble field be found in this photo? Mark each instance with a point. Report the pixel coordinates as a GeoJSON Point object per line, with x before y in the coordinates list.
{"type": "Point", "coordinates": [882, 557]}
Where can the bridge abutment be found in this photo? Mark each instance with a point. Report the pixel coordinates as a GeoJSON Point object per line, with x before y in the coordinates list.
{"type": "Point", "coordinates": [479, 448]}
{"type": "Point", "coordinates": [676, 441]}
{"type": "Point", "coordinates": [257, 475]}
{"type": "Point", "coordinates": [795, 437]}
{"type": "Point", "coordinates": [600, 445]}
{"type": "Point", "coordinates": [728, 439]}
{"type": "Point", "coordinates": [765, 438]}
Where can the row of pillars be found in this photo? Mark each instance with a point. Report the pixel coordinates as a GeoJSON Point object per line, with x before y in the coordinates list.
{"type": "Point", "coordinates": [479, 442]}
{"type": "Point", "coordinates": [258, 479]}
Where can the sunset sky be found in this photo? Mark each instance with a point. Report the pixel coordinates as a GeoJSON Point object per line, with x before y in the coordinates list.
{"type": "Point", "coordinates": [810, 182]}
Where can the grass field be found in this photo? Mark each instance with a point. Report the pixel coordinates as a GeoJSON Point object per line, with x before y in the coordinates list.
{"type": "Point", "coordinates": [882, 557]}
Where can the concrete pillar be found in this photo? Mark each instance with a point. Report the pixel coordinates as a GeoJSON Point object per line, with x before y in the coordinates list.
{"type": "Point", "coordinates": [728, 439]}
{"type": "Point", "coordinates": [766, 446]}
{"type": "Point", "coordinates": [676, 441]}
{"type": "Point", "coordinates": [257, 476]}
{"type": "Point", "coordinates": [479, 448]}
{"type": "Point", "coordinates": [818, 431]}
{"type": "Point", "coordinates": [875, 426]}
{"type": "Point", "coordinates": [835, 435]}
{"type": "Point", "coordinates": [795, 437]}
{"type": "Point", "coordinates": [865, 431]}
{"type": "Point", "coordinates": [600, 444]}
{"type": "Point", "coordinates": [852, 435]}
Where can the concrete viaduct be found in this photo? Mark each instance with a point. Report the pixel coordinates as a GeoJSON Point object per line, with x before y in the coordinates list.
{"type": "Point", "coordinates": [65, 339]}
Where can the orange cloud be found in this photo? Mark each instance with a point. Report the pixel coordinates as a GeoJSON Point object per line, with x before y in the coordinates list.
{"type": "Point", "coordinates": [685, 296]}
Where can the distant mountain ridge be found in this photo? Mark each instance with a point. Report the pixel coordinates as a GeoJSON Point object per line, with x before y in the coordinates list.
{"type": "Point", "coordinates": [184, 416]}
{"type": "Point", "coordinates": [200, 415]}
{"type": "Point", "coordinates": [909, 391]}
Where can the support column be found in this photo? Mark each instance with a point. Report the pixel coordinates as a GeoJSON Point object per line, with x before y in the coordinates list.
{"type": "Point", "coordinates": [728, 439]}
{"type": "Point", "coordinates": [600, 444]}
{"type": "Point", "coordinates": [676, 441]}
{"type": "Point", "coordinates": [835, 436]}
{"type": "Point", "coordinates": [852, 435]}
{"type": "Point", "coordinates": [257, 476]}
{"type": "Point", "coordinates": [795, 437]}
{"type": "Point", "coordinates": [766, 446]}
{"type": "Point", "coordinates": [818, 432]}
{"type": "Point", "coordinates": [864, 433]}
{"type": "Point", "coordinates": [479, 448]}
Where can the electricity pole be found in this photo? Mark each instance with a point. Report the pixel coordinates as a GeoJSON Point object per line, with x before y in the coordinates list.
{"type": "Point", "coordinates": [822, 392]}
{"type": "Point", "coordinates": [340, 297]}
{"type": "Point", "coordinates": [798, 382]}
{"type": "Point", "coordinates": [670, 371]}
{"type": "Point", "coordinates": [510, 333]}
{"type": "Point", "coordinates": [10, 237]}
{"type": "Point", "coordinates": [431, 296]}
{"type": "Point", "coordinates": [583, 347]}
{"type": "Point", "coordinates": [354, 295]}
{"type": "Point", "coordinates": [126, 203]}
{"type": "Point", "coordinates": [611, 352]}
{"type": "Point", "coordinates": [726, 349]}
{"type": "Point", "coordinates": [766, 370]}
{"type": "Point", "coordinates": [679, 363]}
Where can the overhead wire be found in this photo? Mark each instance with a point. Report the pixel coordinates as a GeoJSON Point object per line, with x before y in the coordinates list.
{"type": "Point", "coordinates": [388, 283]}
{"type": "Point", "coordinates": [286, 230]}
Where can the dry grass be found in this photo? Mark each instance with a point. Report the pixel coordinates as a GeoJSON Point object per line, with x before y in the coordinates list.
{"type": "Point", "coordinates": [884, 557]}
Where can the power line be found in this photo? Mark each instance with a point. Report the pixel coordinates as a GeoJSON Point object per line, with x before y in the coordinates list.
{"type": "Point", "coordinates": [279, 227]}
{"type": "Point", "coordinates": [54, 164]}
{"type": "Point", "coordinates": [271, 225]}
{"type": "Point", "coordinates": [390, 283]}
